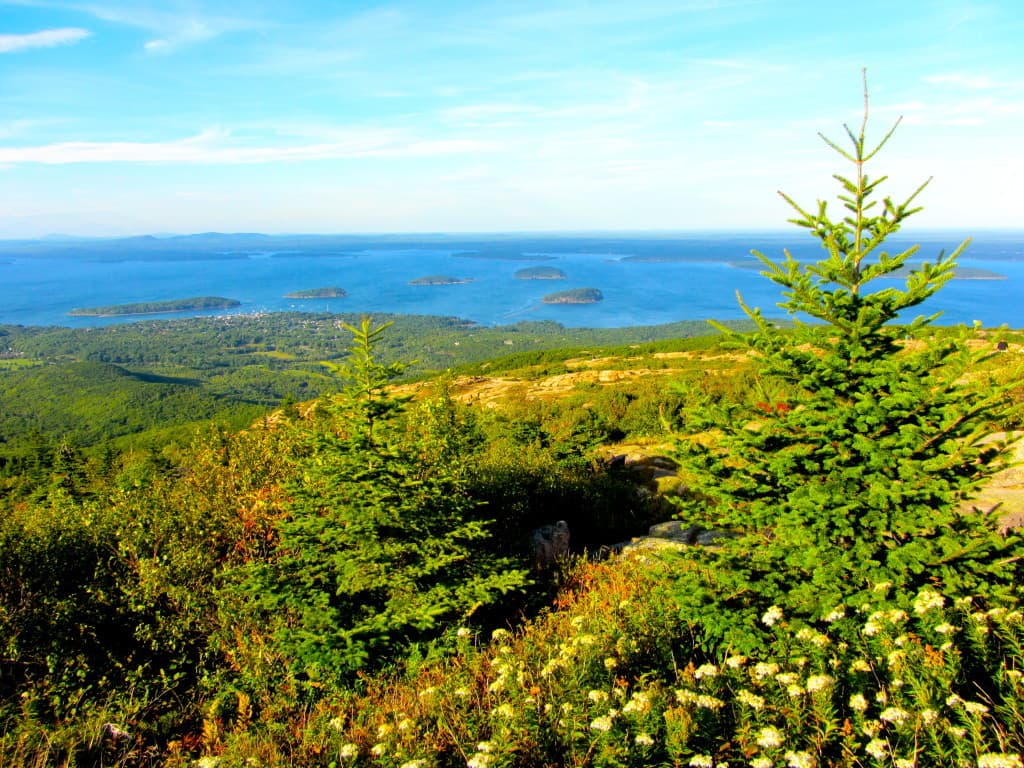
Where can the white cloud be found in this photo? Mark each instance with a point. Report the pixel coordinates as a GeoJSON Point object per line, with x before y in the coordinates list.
{"type": "Point", "coordinates": [48, 38]}
{"type": "Point", "coordinates": [215, 147]}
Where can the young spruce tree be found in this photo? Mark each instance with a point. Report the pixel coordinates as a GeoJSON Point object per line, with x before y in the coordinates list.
{"type": "Point", "coordinates": [861, 476]}
{"type": "Point", "coordinates": [380, 548]}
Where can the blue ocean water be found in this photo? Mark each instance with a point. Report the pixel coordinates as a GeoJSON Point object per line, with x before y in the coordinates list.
{"type": "Point", "coordinates": [681, 278]}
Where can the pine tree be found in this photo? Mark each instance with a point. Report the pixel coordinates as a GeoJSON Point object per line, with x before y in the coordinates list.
{"type": "Point", "coordinates": [380, 548]}
{"type": "Point", "coordinates": [859, 475]}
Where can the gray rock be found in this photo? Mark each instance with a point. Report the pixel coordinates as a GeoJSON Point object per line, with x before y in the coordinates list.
{"type": "Point", "coordinates": [675, 530]}
{"type": "Point", "coordinates": [550, 543]}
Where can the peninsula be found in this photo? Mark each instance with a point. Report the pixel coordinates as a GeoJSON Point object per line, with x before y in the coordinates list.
{"type": "Point", "coordinates": [574, 296]}
{"type": "Point", "coordinates": [330, 292]}
{"type": "Point", "coordinates": [157, 307]}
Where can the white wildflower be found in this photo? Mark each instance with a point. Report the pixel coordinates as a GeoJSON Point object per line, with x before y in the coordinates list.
{"type": "Point", "coordinates": [749, 698]}
{"type": "Point", "coordinates": [603, 724]}
{"type": "Point", "coordinates": [210, 761]}
{"type": "Point", "coordinates": [463, 632]}
{"type": "Point", "coordinates": [794, 691]}
{"type": "Point", "coordinates": [835, 614]}
{"type": "Point", "coordinates": [706, 671]}
{"type": "Point", "coordinates": [945, 628]}
{"type": "Point", "coordinates": [336, 723]}
{"type": "Point", "coordinates": [378, 750]}
{"type": "Point", "coordinates": [644, 740]}
{"type": "Point", "coordinates": [765, 669]}
{"type": "Point", "coordinates": [799, 760]}
{"type": "Point", "coordinates": [639, 704]}
{"type": "Point", "coordinates": [735, 662]}
{"type": "Point", "coordinates": [894, 715]}
{"type": "Point", "coordinates": [762, 762]}
{"type": "Point", "coordinates": [500, 635]}
{"type": "Point", "coordinates": [701, 761]}
{"type": "Point", "coordinates": [769, 738]}
{"type": "Point", "coordinates": [479, 761]}
{"type": "Point", "coordinates": [505, 711]}
{"type": "Point", "coordinates": [999, 760]}
{"type": "Point", "coordinates": [598, 697]}
{"type": "Point", "coordinates": [348, 751]}
{"type": "Point", "coordinates": [927, 600]}
{"type": "Point", "coordinates": [772, 616]}
{"type": "Point", "coordinates": [905, 762]}
{"type": "Point", "coordinates": [975, 708]}
{"type": "Point", "coordinates": [787, 678]}
{"type": "Point", "coordinates": [414, 764]}
{"type": "Point", "coordinates": [816, 683]}
{"type": "Point", "coordinates": [858, 703]}
{"type": "Point", "coordinates": [485, 746]}
{"type": "Point", "coordinates": [859, 665]}
{"type": "Point", "coordinates": [877, 748]}
{"type": "Point", "coordinates": [709, 702]}
{"type": "Point", "coordinates": [929, 716]}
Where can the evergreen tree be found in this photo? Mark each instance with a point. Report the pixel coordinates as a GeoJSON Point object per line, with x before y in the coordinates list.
{"type": "Point", "coordinates": [859, 475]}
{"type": "Point", "coordinates": [380, 548]}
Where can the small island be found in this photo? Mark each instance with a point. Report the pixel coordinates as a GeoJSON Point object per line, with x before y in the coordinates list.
{"type": "Point", "coordinates": [157, 307]}
{"type": "Point", "coordinates": [574, 296]}
{"type": "Point", "coordinates": [540, 273]}
{"type": "Point", "coordinates": [330, 292]}
{"type": "Point", "coordinates": [440, 280]}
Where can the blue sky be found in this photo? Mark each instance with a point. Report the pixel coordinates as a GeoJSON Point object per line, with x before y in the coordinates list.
{"type": "Point", "coordinates": [130, 116]}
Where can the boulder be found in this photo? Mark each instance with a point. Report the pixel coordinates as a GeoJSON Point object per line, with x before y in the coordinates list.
{"type": "Point", "coordinates": [550, 543]}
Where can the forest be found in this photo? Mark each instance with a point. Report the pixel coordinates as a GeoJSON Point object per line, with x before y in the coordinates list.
{"type": "Point", "coordinates": [312, 540]}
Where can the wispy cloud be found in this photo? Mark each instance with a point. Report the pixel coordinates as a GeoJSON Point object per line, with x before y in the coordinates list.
{"type": "Point", "coordinates": [47, 38]}
{"type": "Point", "coordinates": [978, 83]}
{"type": "Point", "coordinates": [215, 147]}
{"type": "Point", "coordinates": [171, 27]}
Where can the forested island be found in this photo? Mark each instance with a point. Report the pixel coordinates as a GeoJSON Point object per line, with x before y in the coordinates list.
{"type": "Point", "coordinates": [157, 307]}
{"type": "Point", "coordinates": [540, 273]}
{"type": "Point", "coordinates": [330, 292]}
{"type": "Point", "coordinates": [574, 296]}
{"type": "Point", "coordinates": [440, 280]}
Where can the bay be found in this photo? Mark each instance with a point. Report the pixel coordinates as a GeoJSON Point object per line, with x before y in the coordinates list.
{"type": "Point", "coordinates": [644, 279]}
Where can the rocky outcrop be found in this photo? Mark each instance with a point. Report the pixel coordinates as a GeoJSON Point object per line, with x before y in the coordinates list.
{"type": "Point", "coordinates": [550, 544]}
{"type": "Point", "coordinates": [673, 534]}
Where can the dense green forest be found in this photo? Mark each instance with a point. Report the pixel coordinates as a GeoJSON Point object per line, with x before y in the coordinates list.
{"type": "Point", "coordinates": [319, 540]}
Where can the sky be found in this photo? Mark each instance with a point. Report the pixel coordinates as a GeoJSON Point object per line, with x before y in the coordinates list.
{"type": "Point", "coordinates": [123, 117]}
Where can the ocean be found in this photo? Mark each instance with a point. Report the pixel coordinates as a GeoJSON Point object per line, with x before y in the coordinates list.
{"type": "Point", "coordinates": [644, 279]}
